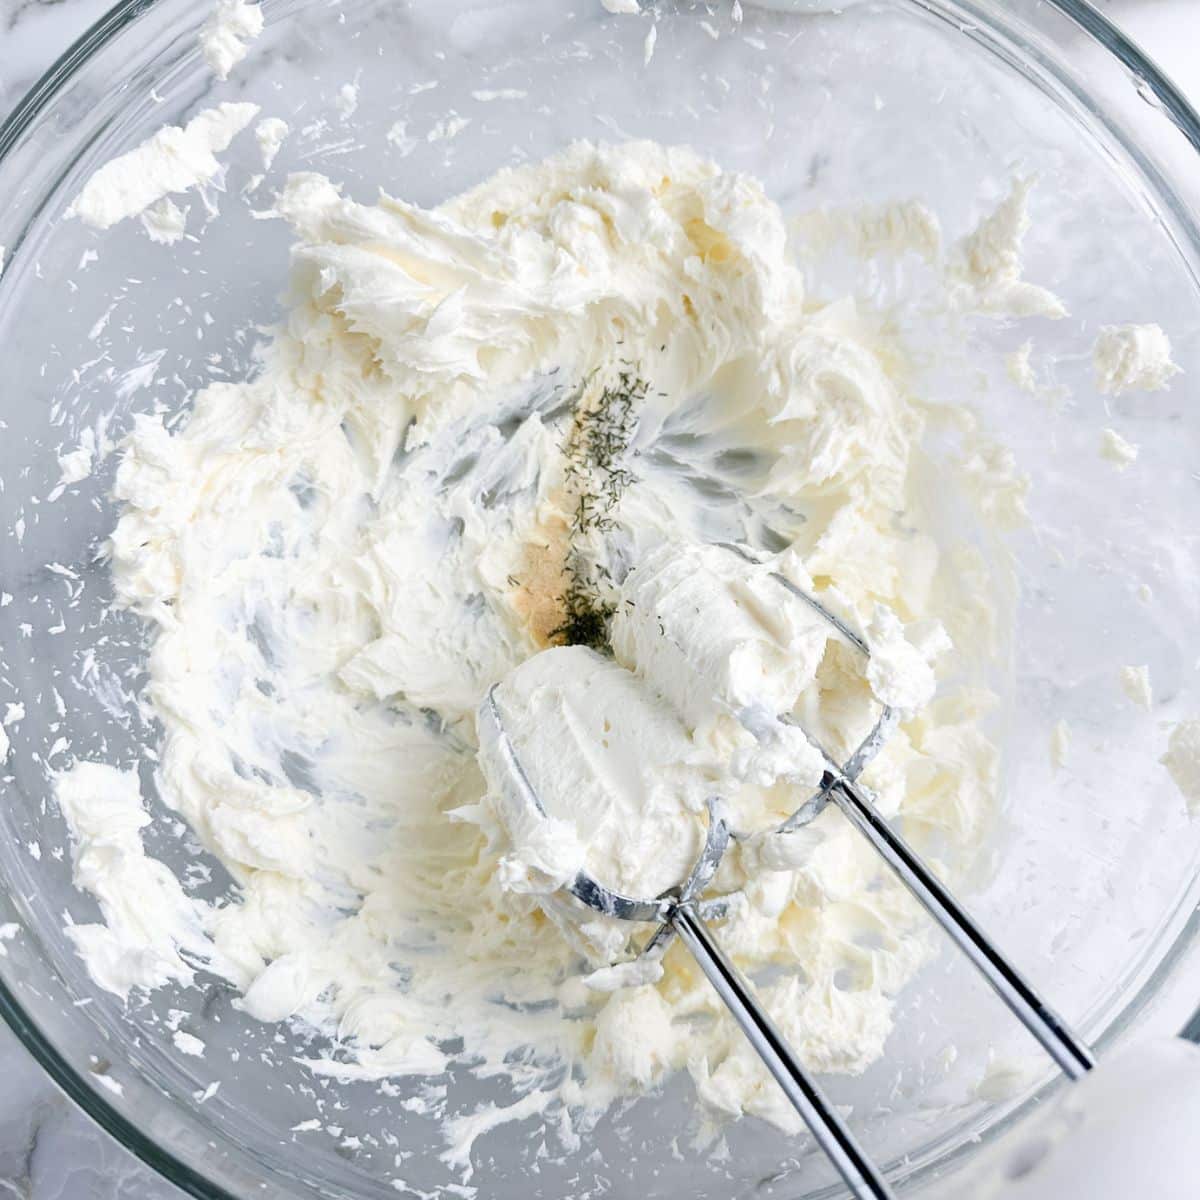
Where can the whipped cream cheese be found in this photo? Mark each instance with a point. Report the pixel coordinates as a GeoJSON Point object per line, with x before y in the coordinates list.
{"type": "Point", "coordinates": [1132, 358]}
{"type": "Point", "coordinates": [1135, 683]}
{"type": "Point", "coordinates": [1019, 366]}
{"type": "Point", "coordinates": [987, 264]}
{"type": "Point", "coordinates": [1182, 761]}
{"type": "Point", "coordinates": [165, 222]}
{"type": "Point", "coordinates": [531, 417]}
{"type": "Point", "coordinates": [270, 133]}
{"type": "Point", "coordinates": [227, 34]}
{"type": "Point", "coordinates": [148, 920]}
{"type": "Point", "coordinates": [1060, 745]}
{"type": "Point", "coordinates": [171, 161]}
{"type": "Point", "coordinates": [1117, 450]}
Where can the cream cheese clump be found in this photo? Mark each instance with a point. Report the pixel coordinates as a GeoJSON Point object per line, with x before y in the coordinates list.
{"type": "Point", "coordinates": [227, 34]}
{"type": "Point", "coordinates": [270, 133]}
{"type": "Point", "coordinates": [988, 262]}
{"type": "Point", "coordinates": [1117, 450]}
{"type": "Point", "coordinates": [1135, 683]}
{"type": "Point", "coordinates": [1132, 358]}
{"type": "Point", "coordinates": [530, 416]}
{"type": "Point", "coordinates": [1182, 761]}
{"type": "Point", "coordinates": [171, 161]}
{"type": "Point", "coordinates": [148, 920]}
{"type": "Point", "coordinates": [165, 222]}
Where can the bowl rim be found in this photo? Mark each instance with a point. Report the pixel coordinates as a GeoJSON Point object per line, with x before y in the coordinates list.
{"type": "Point", "coordinates": [1090, 20]}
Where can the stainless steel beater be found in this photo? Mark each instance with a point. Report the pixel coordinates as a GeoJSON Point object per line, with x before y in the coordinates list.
{"type": "Point", "coordinates": [686, 912]}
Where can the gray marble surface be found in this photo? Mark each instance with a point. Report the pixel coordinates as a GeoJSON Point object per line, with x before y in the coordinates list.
{"type": "Point", "coordinates": [48, 1149]}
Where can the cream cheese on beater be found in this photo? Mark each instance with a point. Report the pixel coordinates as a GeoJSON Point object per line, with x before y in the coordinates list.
{"type": "Point", "coordinates": [615, 768]}
{"type": "Point", "coordinates": [715, 634]}
{"type": "Point", "coordinates": [525, 418]}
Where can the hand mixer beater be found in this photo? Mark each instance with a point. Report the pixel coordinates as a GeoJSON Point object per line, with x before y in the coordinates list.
{"type": "Point", "coordinates": [686, 912]}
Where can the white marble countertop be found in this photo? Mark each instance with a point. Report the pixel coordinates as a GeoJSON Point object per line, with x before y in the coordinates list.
{"type": "Point", "coordinates": [48, 1149]}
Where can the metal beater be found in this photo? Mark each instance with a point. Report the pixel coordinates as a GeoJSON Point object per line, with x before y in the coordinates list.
{"type": "Point", "coordinates": [685, 911]}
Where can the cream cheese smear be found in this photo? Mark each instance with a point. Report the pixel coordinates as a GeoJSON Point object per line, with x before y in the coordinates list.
{"type": "Point", "coordinates": [509, 441]}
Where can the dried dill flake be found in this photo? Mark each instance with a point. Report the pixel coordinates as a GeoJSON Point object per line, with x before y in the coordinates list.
{"type": "Point", "coordinates": [596, 476]}
{"type": "Point", "coordinates": [585, 615]}
{"type": "Point", "coordinates": [595, 450]}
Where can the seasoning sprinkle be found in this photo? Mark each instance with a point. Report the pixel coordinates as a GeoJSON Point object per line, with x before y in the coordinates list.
{"type": "Point", "coordinates": [595, 451]}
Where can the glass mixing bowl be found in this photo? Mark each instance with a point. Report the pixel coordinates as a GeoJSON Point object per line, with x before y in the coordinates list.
{"type": "Point", "coordinates": [1095, 875]}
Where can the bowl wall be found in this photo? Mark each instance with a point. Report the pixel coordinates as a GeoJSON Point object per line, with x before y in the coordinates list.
{"type": "Point", "coordinates": [1094, 876]}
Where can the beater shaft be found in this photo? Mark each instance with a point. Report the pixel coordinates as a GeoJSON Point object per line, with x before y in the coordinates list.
{"type": "Point", "coordinates": [861, 1175]}
{"type": "Point", "coordinates": [1071, 1054]}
